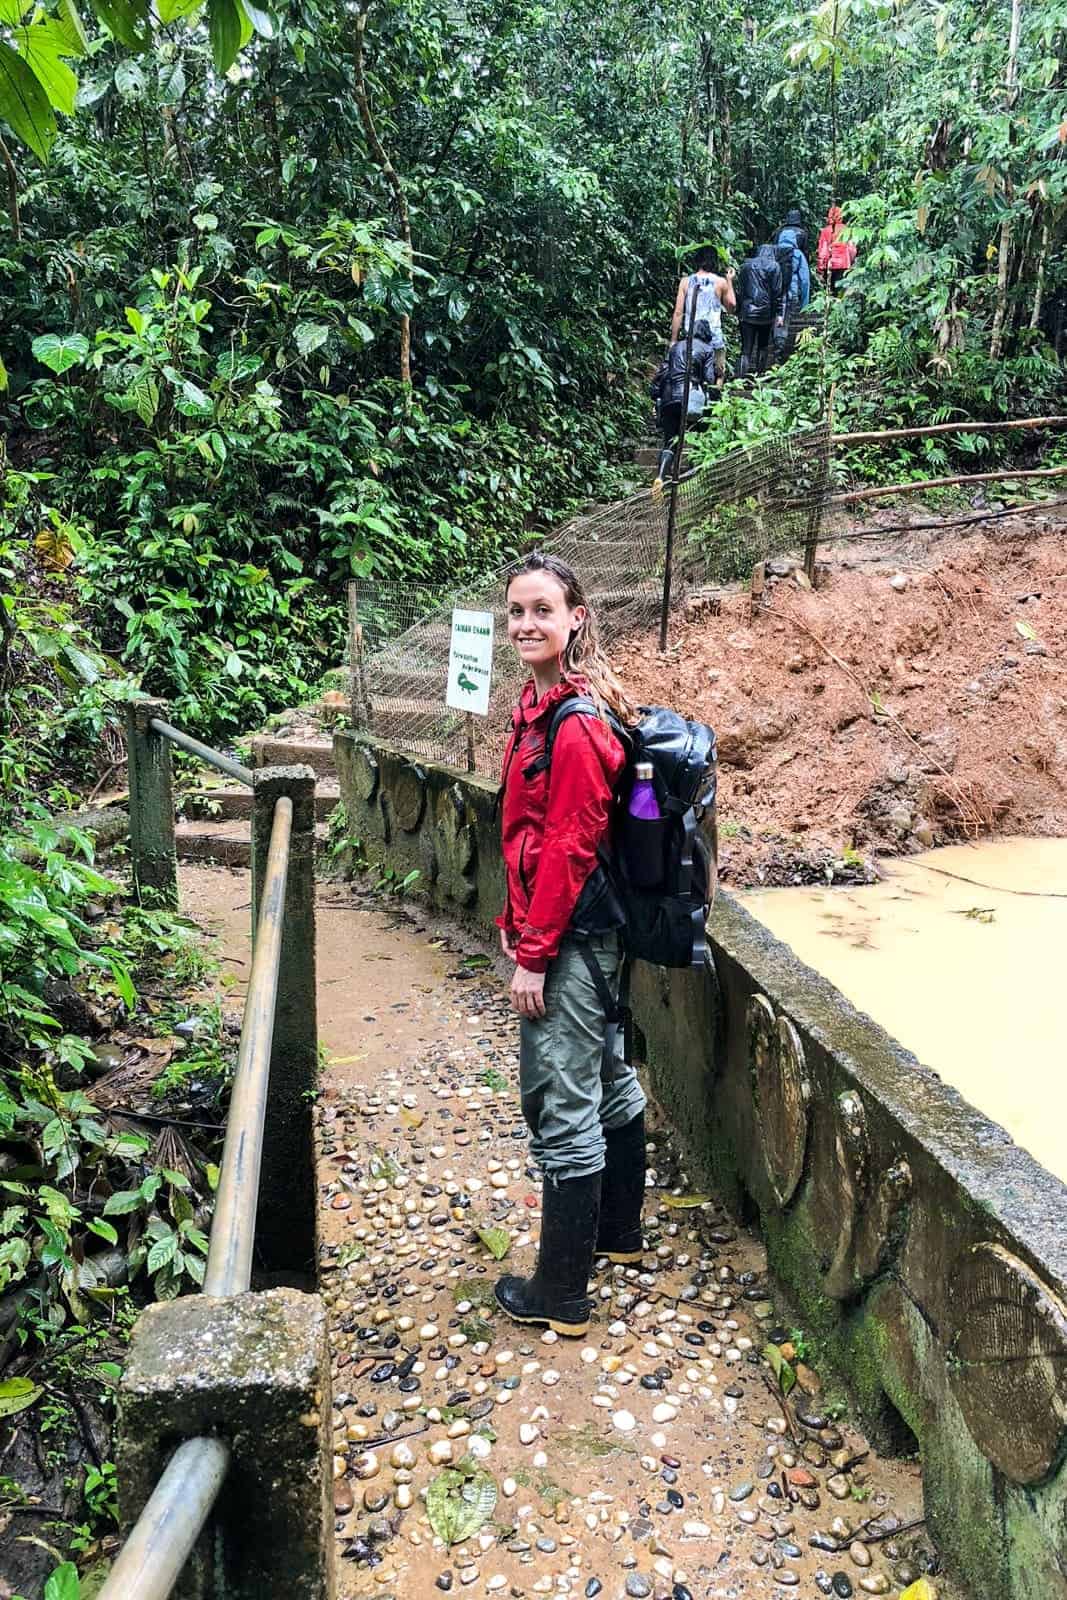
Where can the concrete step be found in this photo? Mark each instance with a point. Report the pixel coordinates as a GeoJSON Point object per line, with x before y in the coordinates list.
{"type": "Point", "coordinates": [227, 844]}
{"type": "Point", "coordinates": [271, 750]}
{"type": "Point", "coordinates": [222, 804]}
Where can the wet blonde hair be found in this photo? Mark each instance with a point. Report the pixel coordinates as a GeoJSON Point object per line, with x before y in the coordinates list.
{"type": "Point", "coordinates": [583, 656]}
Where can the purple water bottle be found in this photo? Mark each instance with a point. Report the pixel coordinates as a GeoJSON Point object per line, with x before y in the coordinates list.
{"type": "Point", "coordinates": [643, 831]}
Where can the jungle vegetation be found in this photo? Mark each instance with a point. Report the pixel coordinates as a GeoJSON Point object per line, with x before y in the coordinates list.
{"type": "Point", "coordinates": [294, 293]}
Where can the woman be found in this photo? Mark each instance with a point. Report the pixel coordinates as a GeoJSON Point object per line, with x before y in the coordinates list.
{"type": "Point", "coordinates": [587, 1137]}
{"type": "Point", "coordinates": [835, 254]}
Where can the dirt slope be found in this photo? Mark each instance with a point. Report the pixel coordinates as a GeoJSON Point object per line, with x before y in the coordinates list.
{"type": "Point", "coordinates": [876, 715]}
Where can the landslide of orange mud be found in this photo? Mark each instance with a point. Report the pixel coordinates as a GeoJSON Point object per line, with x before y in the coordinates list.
{"type": "Point", "coordinates": [864, 717]}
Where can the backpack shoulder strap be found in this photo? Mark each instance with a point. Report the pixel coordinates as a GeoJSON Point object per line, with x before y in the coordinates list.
{"type": "Point", "coordinates": [575, 705]}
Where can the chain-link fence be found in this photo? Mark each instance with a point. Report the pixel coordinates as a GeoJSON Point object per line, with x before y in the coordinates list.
{"type": "Point", "coordinates": [751, 504]}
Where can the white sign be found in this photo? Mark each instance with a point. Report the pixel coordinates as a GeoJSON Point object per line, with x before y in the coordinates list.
{"type": "Point", "coordinates": [470, 662]}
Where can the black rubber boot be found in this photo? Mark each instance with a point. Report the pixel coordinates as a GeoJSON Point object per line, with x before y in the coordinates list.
{"type": "Point", "coordinates": [622, 1193]}
{"type": "Point", "coordinates": [556, 1294]}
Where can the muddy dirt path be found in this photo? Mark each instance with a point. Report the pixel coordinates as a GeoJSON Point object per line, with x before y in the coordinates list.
{"type": "Point", "coordinates": [652, 1457]}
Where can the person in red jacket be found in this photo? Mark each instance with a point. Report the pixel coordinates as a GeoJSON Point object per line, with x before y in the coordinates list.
{"type": "Point", "coordinates": [580, 1097]}
{"type": "Point", "coordinates": [835, 254]}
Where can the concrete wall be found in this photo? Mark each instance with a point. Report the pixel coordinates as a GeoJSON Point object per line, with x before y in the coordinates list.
{"type": "Point", "coordinates": [927, 1255]}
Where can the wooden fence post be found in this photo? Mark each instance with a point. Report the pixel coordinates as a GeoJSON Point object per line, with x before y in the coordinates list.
{"type": "Point", "coordinates": [152, 850]}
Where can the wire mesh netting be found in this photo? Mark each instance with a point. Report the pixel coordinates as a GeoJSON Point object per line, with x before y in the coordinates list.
{"type": "Point", "coordinates": [751, 504]}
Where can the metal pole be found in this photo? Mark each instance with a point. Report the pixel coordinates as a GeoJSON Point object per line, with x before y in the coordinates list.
{"type": "Point", "coordinates": [233, 1226]}
{"type": "Point", "coordinates": [161, 1541]}
{"type": "Point", "coordinates": [204, 752]}
{"type": "Point", "coordinates": [676, 467]}
{"type": "Point", "coordinates": [811, 542]}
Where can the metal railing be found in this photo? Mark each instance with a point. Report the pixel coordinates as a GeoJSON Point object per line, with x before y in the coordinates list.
{"type": "Point", "coordinates": [166, 1532]}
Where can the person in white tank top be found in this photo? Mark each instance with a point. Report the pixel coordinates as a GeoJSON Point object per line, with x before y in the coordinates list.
{"type": "Point", "coordinates": [714, 294]}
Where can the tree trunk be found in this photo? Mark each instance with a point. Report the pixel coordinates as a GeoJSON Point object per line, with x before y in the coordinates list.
{"type": "Point", "coordinates": [1039, 285]}
{"type": "Point", "coordinates": [392, 178]}
{"type": "Point", "coordinates": [1011, 94]}
{"type": "Point", "coordinates": [12, 190]}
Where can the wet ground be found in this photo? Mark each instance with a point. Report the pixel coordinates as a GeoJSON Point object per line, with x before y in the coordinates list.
{"type": "Point", "coordinates": [657, 1456]}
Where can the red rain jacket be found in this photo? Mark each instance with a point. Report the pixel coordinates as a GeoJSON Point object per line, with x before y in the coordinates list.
{"type": "Point", "coordinates": [834, 253]}
{"type": "Point", "coordinates": [553, 822]}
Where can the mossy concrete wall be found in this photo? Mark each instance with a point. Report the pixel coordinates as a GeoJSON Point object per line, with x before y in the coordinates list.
{"type": "Point", "coordinates": [926, 1252]}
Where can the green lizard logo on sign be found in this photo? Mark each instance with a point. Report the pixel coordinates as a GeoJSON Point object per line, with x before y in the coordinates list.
{"type": "Point", "coordinates": [465, 683]}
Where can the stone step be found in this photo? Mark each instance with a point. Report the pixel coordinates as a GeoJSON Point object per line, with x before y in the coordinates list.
{"type": "Point", "coordinates": [271, 750]}
{"type": "Point", "coordinates": [227, 844]}
{"type": "Point", "coordinates": [222, 804]}
{"type": "Point", "coordinates": [390, 682]}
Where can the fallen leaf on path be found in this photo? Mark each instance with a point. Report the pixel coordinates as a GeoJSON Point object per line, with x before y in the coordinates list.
{"type": "Point", "coordinates": [496, 1240]}
{"type": "Point", "coordinates": [685, 1202]}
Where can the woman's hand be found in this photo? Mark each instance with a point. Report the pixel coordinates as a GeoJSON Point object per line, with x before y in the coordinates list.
{"type": "Point", "coordinates": [528, 993]}
{"type": "Point", "coordinates": [506, 945]}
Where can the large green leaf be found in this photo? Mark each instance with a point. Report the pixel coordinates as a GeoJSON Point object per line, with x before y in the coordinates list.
{"type": "Point", "coordinates": [60, 351]}
{"type": "Point", "coordinates": [310, 336]}
{"type": "Point", "coordinates": [24, 105]}
{"type": "Point", "coordinates": [13, 11]}
{"type": "Point", "coordinates": [261, 21]}
{"type": "Point", "coordinates": [174, 10]}
{"type": "Point", "coordinates": [459, 1504]}
{"type": "Point", "coordinates": [69, 22]}
{"type": "Point", "coordinates": [129, 80]}
{"type": "Point", "coordinates": [64, 1584]}
{"type": "Point", "coordinates": [42, 47]}
{"type": "Point", "coordinates": [225, 20]}
{"type": "Point", "coordinates": [127, 20]}
{"type": "Point", "coordinates": [171, 82]}
{"type": "Point", "coordinates": [16, 1394]}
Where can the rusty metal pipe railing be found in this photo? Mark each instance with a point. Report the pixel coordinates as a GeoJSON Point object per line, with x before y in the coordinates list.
{"type": "Point", "coordinates": [233, 1227]}
{"type": "Point", "coordinates": [204, 752]}
{"type": "Point", "coordinates": [161, 1540]}
{"type": "Point", "coordinates": [150, 1562]}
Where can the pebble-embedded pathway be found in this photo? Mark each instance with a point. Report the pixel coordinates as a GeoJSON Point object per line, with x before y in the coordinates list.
{"type": "Point", "coordinates": [653, 1458]}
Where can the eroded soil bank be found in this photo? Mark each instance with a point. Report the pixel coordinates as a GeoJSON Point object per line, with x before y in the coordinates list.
{"type": "Point", "coordinates": [918, 696]}
{"type": "Point", "coordinates": [655, 1457]}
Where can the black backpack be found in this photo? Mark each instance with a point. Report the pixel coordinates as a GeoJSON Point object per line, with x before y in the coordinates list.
{"type": "Point", "coordinates": [656, 884]}
{"type": "Point", "coordinates": [784, 254]}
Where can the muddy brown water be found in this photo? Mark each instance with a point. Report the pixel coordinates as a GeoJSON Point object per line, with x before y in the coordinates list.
{"type": "Point", "coordinates": [420, 1139]}
{"type": "Point", "coordinates": [958, 953]}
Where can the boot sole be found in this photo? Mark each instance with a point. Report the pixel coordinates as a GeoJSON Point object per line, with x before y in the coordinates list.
{"type": "Point", "coordinates": [571, 1330]}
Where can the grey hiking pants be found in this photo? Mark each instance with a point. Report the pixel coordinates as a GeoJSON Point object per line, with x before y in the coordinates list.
{"type": "Point", "coordinates": [560, 1057]}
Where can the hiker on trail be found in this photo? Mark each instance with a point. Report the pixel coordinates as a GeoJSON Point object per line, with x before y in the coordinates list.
{"type": "Point", "coordinates": [791, 244]}
{"type": "Point", "coordinates": [706, 294]}
{"type": "Point", "coordinates": [587, 1137]}
{"type": "Point", "coordinates": [759, 288]}
{"type": "Point", "coordinates": [835, 254]}
{"type": "Point", "coordinates": [668, 391]}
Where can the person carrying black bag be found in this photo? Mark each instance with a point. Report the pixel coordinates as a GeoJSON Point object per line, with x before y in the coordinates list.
{"type": "Point", "coordinates": [759, 306]}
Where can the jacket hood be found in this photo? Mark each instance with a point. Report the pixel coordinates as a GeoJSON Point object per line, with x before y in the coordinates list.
{"type": "Point", "coordinates": [793, 219]}
{"type": "Point", "coordinates": [766, 253]}
{"type": "Point", "coordinates": [834, 216]}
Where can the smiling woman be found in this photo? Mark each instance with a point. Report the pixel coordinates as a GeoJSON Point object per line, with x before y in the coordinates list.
{"type": "Point", "coordinates": [560, 925]}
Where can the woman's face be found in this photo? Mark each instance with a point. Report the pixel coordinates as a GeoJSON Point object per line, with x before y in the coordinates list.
{"type": "Point", "coordinates": [540, 622]}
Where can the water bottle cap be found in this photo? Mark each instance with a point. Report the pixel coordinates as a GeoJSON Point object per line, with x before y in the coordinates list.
{"type": "Point", "coordinates": [643, 769]}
